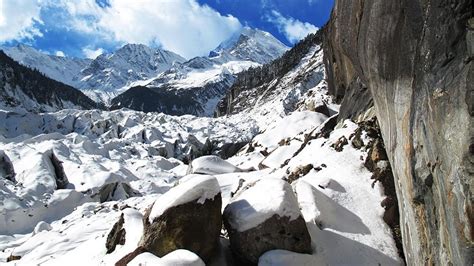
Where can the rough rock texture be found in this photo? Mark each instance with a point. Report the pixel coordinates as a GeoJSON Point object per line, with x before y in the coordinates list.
{"type": "Point", "coordinates": [116, 235]}
{"type": "Point", "coordinates": [192, 226]}
{"type": "Point", "coordinates": [61, 178]}
{"type": "Point", "coordinates": [275, 233]}
{"type": "Point", "coordinates": [415, 57]}
{"type": "Point", "coordinates": [116, 191]}
{"type": "Point", "coordinates": [6, 167]}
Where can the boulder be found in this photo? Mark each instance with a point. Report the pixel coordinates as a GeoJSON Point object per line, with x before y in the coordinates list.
{"type": "Point", "coordinates": [211, 165]}
{"type": "Point", "coordinates": [188, 216]}
{"type": "Point", "coordinates": [263, 217]}
{"type": "Point", "coordinates": [6, 167]}
{"type": "Point", "coordinates": [116, 235]}
{"type": "Point", "coordinates": [115, 191]}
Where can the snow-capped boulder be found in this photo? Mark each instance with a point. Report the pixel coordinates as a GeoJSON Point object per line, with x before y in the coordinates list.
{"type": "Point", "coordinates": [188, 216]}
{"type": "Point", "coordinates": [211, 165]}
{"type": "Point", "coordinates": [180, 257]}
{"type": "Point", "coordinates": [263, 217]}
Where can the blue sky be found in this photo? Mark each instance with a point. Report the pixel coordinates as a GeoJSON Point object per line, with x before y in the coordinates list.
{"type": "Point", "coordinates": [86, 28]}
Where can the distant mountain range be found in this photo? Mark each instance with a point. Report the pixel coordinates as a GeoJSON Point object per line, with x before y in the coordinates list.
{"type": "Point", "coordinates": [152, 79]}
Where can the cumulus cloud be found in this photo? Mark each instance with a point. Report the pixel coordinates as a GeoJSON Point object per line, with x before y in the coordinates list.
{"type": "Point", "coordinates": [182, 26]}
{"type": "Point", "coordinates": [92, 53]}
{"type": "Point", "coordinates": [18, 19]}
{"type": "Point", "coordinates": [293, 29]}
{"type": "Point", "coordinates": [60, 53]}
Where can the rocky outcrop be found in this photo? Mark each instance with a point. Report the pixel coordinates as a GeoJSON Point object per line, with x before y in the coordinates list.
{"type": "Point", "coordinates": [186, 217]}
{"type": "Point", "coordinates": [115, 191]}
{"type": "Point", "coordinates": [415, 58]}
{"type": "Point", "coordinates": [116, 236]}
{"type": "Point", "coordinates": [6, 167]}
{"type": "Point", "coordinates": [254, 230]}
{"type": "Point", "coordinates": [60, 174]}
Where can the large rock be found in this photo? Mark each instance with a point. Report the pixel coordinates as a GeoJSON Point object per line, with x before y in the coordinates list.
{"type": "Point", "coordinates": [415, 57]}
{"type": "Point", "coordinates": [6, 167]}
{"type": "Point", "coordinates": [186, 217]}
{"type": "Point", "coordinates": [264, 217]}
{"type": "Point", "coordinates": [211, 165]}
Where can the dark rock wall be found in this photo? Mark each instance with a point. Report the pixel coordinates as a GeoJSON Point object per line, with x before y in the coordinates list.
{"type": "Point", "coordinates": [415, 58]}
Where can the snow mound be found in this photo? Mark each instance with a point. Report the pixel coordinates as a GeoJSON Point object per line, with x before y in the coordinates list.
{"type": "Point", "coordinates": [212, 165]}
{"type": "Point", "coordinates": [267, 197]}
{"type": "Point", "coordinates": [179, 257]}
{"type": "Point", "coordinates": [280, 257]}
{"type": "Point", "coordinates": [198, 188]}
{"type": "Point", "coordinates": [288, 127]}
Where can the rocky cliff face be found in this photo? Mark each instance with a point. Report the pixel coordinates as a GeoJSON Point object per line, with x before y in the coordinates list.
{"type": "Point", "coordinates": [415, 59]}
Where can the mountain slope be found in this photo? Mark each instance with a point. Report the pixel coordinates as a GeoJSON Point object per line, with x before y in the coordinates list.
{"type": "Point", "coordinates": [129, 64]}
{"type": "Point", "coordinates": [294, 80]}
{"type": "Point", "coordinates": [21, 87]}
{"type": "Point", "coordinates": [203, 81]}
{"type": "Point", "coordinates": [62, 69]}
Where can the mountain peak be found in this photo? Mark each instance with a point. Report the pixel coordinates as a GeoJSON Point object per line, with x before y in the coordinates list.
{"type": "Point", "coordinates": [250, 44]}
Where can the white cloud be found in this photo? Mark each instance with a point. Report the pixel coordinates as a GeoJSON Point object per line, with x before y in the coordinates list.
{"type": "Point", "coordinates": [92, 53]}
{"type": "Point", "coordinates": [182, 26]}
{"type": "Point", "coordinates": [60, 53]}
{"type": "Point", "coordinates": [18, 18]}
{"type": "Point", "coordinates": [293, 29]}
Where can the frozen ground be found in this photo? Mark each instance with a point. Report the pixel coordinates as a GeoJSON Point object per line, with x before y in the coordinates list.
{"type": "Point", "coordinates": [342, 210]}
{"type": "Point", "coordinates": [78, 171]}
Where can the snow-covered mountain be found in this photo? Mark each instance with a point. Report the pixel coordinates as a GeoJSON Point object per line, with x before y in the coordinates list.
{"type": "Point", "coordinates": [196, 86]}
{"type": "Point", "coordinates": [249, 44]}
{"type": "Point", "coordinates": [104, 77]}
{"type": "Point", "coordinates": [128, 66]}
{"type": "Point", "coordinates": [63, 69]}
{"type": "Point", "coordinates": [157, 73]}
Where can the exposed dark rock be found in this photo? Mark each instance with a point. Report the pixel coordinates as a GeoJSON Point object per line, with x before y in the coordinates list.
{"type": "Point", "coordinates": [130, 256]}
{"type": "Point", "coordinates": [230, 149]}
{"type": "Point", "coordinates": [299, 172]}
{"type": "Point", "coordinates": [415, 58]}
{"type": "Point", "coordinates": [275, 233]}
{"type": "Point", "coordinates": [192, 226]}
{"type": "Point", "coordinates": [13, 258]}
{"type": "Point", "coordinates": [60, 175]}
{"type": "Point", "coordinates": [323, 109]}
{"type": "Point", "coordinates": [116, 235]}
{"type": "Point", "coordinates": [109, 192]}
{"type": "Point", "coordinates": [6, 167]}
{"type": "Point", "coordinates": [340, 143]}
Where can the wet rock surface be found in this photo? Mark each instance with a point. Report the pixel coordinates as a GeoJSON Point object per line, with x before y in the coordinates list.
{"type": "Point", "coordinates": [414, 59]}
